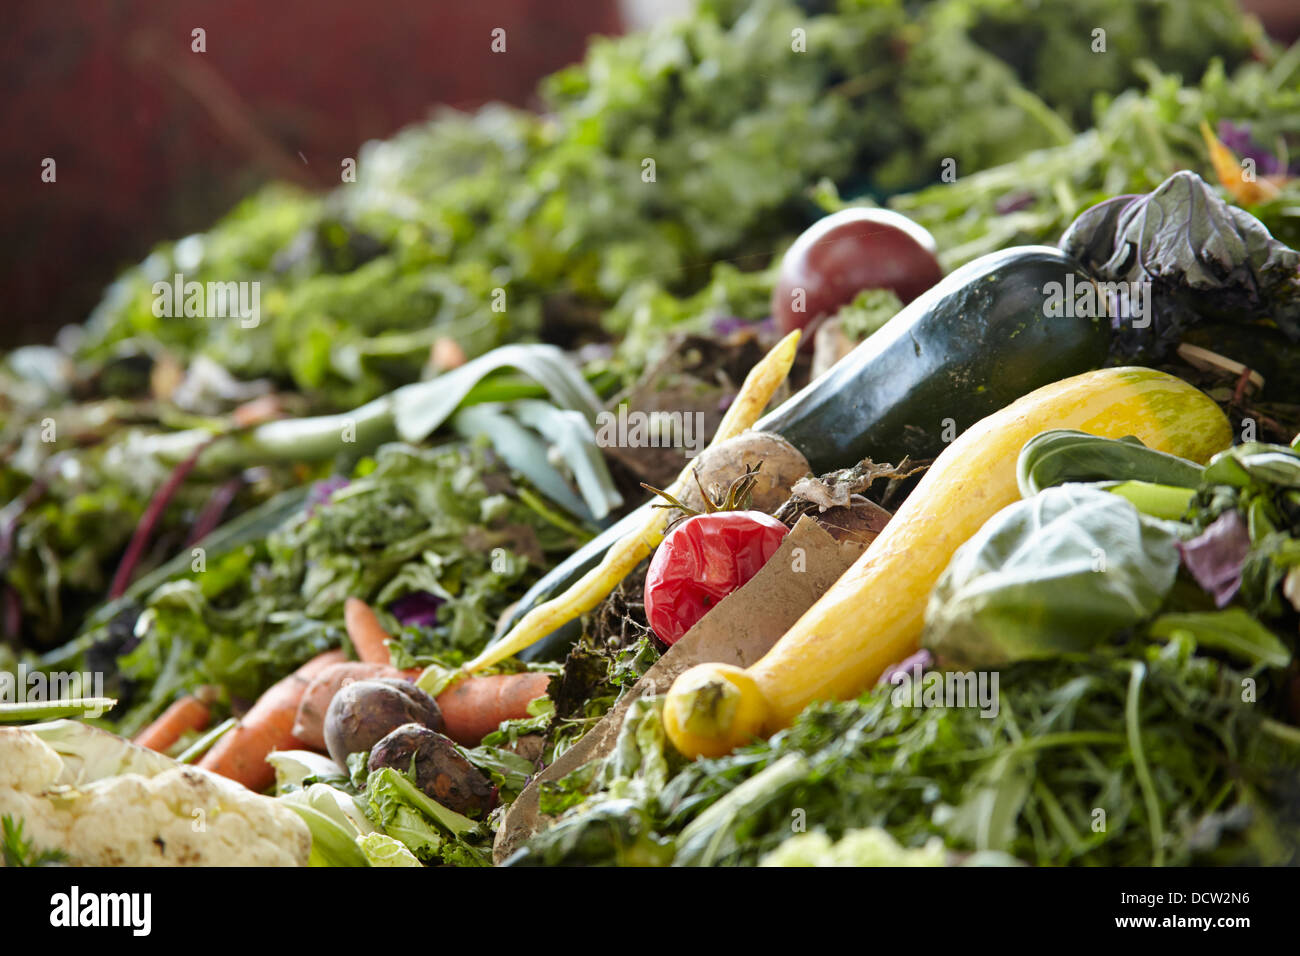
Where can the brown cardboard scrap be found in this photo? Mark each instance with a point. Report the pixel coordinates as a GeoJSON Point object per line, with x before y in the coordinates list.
{"type": "Point", "coordinates": [738, 631]}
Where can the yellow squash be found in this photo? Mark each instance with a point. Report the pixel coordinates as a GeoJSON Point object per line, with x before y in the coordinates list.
{"type": "Point", "coordinates": [874, 614]}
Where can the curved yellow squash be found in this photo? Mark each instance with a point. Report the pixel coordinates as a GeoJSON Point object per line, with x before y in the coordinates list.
{"type": "Point", "coordinates": [873, 615]}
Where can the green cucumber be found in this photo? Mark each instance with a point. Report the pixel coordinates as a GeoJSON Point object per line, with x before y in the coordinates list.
{"type": "Point", "coordinates": [974, 343]}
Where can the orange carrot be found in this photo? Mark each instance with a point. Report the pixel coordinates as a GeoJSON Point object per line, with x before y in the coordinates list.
{"type": "Point", "coordinates": [473, 707]}
{"type": "Point", "coordinates": [367, 634]}
{"type": "Point", "coordinates": [309, 725]}
{"type": "Point", "coordinates": [241, 753]}
{"type": "Point", "coordinates": [188, 713]}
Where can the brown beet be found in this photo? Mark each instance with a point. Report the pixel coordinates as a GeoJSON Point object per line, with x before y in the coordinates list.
{"type": "Point", "coordinates": [440, 769]}
{"type": "Point", "coordinates": [365, 711]}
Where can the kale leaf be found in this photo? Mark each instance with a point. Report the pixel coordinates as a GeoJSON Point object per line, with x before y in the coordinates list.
{"type": "Point", "coordinates": [1202, 259]}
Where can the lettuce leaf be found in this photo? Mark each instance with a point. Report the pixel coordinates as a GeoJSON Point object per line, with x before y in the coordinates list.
{"type": "Point", "coordinates": [1056, 573]}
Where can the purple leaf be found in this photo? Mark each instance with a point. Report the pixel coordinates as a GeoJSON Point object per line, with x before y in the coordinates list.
{"type": "Point", "coordinates": [1013, 202]}
{"type": "Point", "coordinates": [1236, 136]}
{"type": "Point", "coordinates": [730, 324]}
{"type": "Point", "coordinates": [321, 491]}
{"type": "Point", "coordinates": [913, 665]}
{"type": "Point", "coordinates": [726, 325]}
{"type": "Point", "coordinates": [417, 609]}
{"type": "Point", "coordinates": [1215, 557]}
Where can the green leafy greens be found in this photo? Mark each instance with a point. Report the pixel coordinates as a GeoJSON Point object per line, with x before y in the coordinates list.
{"type": "Point", "coordinates": [1083, 763]}
{"type": "Point", "coordinates": [447, 522]}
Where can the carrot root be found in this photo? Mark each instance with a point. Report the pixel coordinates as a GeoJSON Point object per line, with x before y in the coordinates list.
{"type": "Point", "coordinates": [474, 707]}
{"type": "Point", "coordinates": [366, 633]}
{"type": "Point", "coordinates": [241, 754]}
{"type": "Point", "coordinates": [187, 714]}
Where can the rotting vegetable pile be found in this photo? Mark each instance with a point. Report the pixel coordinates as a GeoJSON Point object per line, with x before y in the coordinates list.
{"type": "Point", "coordinates": [371, 559]}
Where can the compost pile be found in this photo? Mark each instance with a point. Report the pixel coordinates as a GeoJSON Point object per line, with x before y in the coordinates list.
{"type": "Point", "coordinates": [431, 518]}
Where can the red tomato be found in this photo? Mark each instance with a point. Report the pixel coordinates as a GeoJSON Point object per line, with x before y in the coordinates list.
{"type": "Point", "coordinates": [837, 257]}
{"type": "Point", "coordinates": [703, 560]}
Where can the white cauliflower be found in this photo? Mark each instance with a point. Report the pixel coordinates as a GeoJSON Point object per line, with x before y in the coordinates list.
{"type": "Point", "coordinates": [27, 762]}
{"type": "Point", "coordinates": [181, 816]}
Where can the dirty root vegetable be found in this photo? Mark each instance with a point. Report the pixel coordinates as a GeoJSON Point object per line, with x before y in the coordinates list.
{"type": "Point", "coordinates": [440, 769]}
{"type": "Point", "coordinates": [719, 465]}
{"type": "Point", "coordinates": [365, 711]}
{"type": "Point", "coordinates": [701, 561]}
{"type": "Point", "coordinates": [309, 723]}
{"type": "Point", "coordinates": [874, 614]}
{"type": "Point", "coordinates": [840, 255]}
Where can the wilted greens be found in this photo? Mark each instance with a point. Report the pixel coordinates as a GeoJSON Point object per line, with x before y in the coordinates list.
{"type": "Point", "coordinates": [1062, 455]}
{"type": "Point", "coordinates": [1260, 484]}
{"type": "Point", "coordinates": [431, 832]}
{"type": "Point", "coordinates": [1138, 139]}
{"type": "Point", "coordinates": [448, 524]}
{"type": "Point", "coordinates": [1128, 756]}
{"type": "Point", "coordinates": [1202, 259]}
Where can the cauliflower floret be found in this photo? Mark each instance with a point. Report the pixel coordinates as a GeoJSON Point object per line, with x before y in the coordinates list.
{"type": "Point", "coordinates": [26, 762]}
{"type": "Point", "coordinates": [182, 816]}
{"type": "Point", "coordinates": [44, 828]}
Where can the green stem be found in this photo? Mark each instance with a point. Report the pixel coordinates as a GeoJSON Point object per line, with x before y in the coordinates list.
{"type": "Point", "coordinates": [554, 517]}
{"type": "Point", "coordinates": [201, 746]}
{"type": "Point", "coordinates": [1158, 501]}
{"type": "Point", "coordinates": [1048, 118]}
{"type": "Point", "coordinates": [52, 709]}
{"type": "Point", "coordinates": [1155, 820]}
{"type": "Point", "coordinates": [1071, 739]}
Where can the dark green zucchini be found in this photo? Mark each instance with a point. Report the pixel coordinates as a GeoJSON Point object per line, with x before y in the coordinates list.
{"type": "Point", "coordinates": [974, 343]}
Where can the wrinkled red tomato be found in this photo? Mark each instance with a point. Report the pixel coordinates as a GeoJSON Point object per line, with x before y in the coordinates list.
{"type": "Point", "coordinates": [703, 560]}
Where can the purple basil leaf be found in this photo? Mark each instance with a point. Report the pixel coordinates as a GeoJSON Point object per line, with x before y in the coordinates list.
{"type": "Point", "coordinates": [1216, 556]}
{"type": "Point", "coordinates": [1236, 136]}
{"type": "Point", "coordinates": [729, 325]}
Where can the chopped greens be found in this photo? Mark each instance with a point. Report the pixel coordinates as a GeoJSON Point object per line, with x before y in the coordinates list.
{"type": "Point", "coordinates": [1081, 764]}
{"type": "Point", "coordinates": [447, 521]}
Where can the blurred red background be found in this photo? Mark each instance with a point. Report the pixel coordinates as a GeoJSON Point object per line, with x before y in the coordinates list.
{"type": "Point", "coordinates": [153, 140]}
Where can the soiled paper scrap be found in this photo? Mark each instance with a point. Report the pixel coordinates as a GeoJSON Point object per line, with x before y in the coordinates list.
{"type": "Point", "coordinates": [738, 631]}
